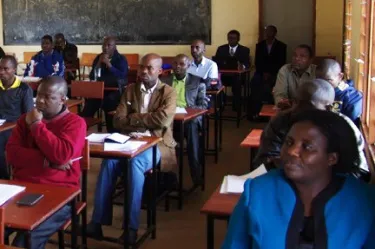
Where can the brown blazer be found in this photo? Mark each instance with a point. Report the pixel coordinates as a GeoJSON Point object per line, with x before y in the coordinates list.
{"type": "Point", "coordinates": [158, 120]}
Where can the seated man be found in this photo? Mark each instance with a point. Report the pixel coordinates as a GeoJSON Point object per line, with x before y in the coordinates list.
{"type": "Point", "coordinates": [315, 94]}
{"type": "Point", "coordinates": [112, 68]}
{"type": "Point", "coordinates": [191, 92]}
{"type": "Point", "coordinates": [47, 62]}
{"type": "Point", "coordinates": [41, 148]}
{"type": "Point", "coordinates": [234, 50]}
{"type": "Point", "coordinates": [291, 76]}
{"type": "Point", "coordinates": [270, 56]}
{"type": "Point", "coordinates": [202, 66]}
{"type": "Point", "coordinates": [348, 100]}
{"type": "Point", "coordinates": [148, 105]}
{"type": "Point", "coordinates": [16, 98]}
{"type": "Point", "coordinates": [69, 52]}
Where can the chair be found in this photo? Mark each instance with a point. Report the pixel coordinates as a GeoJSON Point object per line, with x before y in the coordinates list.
{"type": "Point", "coordinates": [27, 57]}
{"type": "Point", "coordinates": [89, 90]}
{"type": "Point", "coordinates": [133, 59]}
{"type": "Point", "coordinates": [87, 60]}
{"type": "Point", "coordinates": [73, 68]}
{"type": "Point", "coordinates": [81, 204]}
{"type": "Point", "coordinates": [168, 59]}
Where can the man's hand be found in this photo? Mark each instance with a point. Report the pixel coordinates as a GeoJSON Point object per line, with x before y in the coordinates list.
{"type": "Point", "coordinates": [105, 60]}
{"type": "Point", "coordinates": [63, 167]}
{"type": "Point", "coordinates": [284, 104]}
{"type": "Point", "coordinates": [33, 116]}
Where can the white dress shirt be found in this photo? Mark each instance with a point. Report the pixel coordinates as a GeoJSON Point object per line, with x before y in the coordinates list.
{"type": "Point", "coordinates": [146, 94]}
{"type": "Point", "coordinates": [206, 69]}
{"type": "Point", "coordinates": [234, 49]}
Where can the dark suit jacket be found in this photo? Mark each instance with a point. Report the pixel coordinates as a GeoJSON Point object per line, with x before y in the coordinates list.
{"type": "Point", "coordinates": [242, 54]}
{"type": "Point", "coordinates": [195, 90]}
{"type": "Point", "coordinates": [270, 63]}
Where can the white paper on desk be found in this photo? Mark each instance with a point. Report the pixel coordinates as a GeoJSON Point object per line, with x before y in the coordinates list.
{"type": "Point", "coordinates": [28, 79]}
{"type": "Point", "coordinates": [147, 133]}
{"type": "Point", "coordinates": [7, 191]}
{"type": "Point", "coordinates": [117, 137]}
{"type": "Point", "coordinates": [234, 184]}
{"type": "Point", "coordinates": [97, 137]}
{"type": "Point", "coordinates": [180, 110]}
{"type": "Point", "coordinates": [2, 121]}
{"type": "Point", "coordinates": [129, 146]}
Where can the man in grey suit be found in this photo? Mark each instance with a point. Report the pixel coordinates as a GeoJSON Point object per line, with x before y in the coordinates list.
{"type": "Point", "coordinates": [191, 93]}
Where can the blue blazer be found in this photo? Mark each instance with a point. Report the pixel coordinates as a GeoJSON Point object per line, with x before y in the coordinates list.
{"type": "Point", "coordinates": [43, 65]}
{"type": "Point", "coordinates": [262, 217]}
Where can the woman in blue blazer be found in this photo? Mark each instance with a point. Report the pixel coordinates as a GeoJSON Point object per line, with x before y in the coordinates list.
{"type": "Point", "coordinates": [312, 202]}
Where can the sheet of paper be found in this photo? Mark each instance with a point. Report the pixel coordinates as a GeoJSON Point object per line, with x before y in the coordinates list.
{"type": "Point", "coordinates": [8, 191]}
{"type": "Point", "coordinates": [129, 146]}
{"type": "Point", "coordinates": [97, 137]}
{"type": "Point", "coordinates": [180, 110]}
{"type": "Point", "coordinates": [224, 186]}
{"type": "Point", "coordinates": [2, 121]}
{"type": "Point", "coordinates": [255, 173]}
{"type": "Point", "coordinates": [119, 138]}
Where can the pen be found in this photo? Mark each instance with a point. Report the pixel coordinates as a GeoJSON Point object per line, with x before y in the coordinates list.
{"type": "Point", "coordinates": [76, 159]}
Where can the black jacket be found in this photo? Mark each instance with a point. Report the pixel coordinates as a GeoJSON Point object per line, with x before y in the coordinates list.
{"type": "Point", "coordinates": [70, 53]}
{"type": "Point", "coordinates": [272, 62]}
{"type": "Point", "coordinates": [242, 54]}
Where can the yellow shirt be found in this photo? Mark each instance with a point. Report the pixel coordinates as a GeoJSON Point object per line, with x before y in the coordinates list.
{"type": "Point", "coordinates": [179, 86]}
{"type": "Point", "coordinates": [16, 83]}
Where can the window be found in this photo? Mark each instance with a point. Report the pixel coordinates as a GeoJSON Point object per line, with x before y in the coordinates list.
{"type": "Point", "coordinates": [347, 36]}
{"type": "Point", "coordinates": [369, 91]}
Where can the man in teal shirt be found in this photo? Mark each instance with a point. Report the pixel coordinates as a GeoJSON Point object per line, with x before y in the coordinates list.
{"type": "Point", "coordinates": [191, 93]}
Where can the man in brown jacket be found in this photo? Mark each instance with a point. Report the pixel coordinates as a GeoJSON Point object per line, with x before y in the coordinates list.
{"type": "Point", "coordinates": [148, 107]}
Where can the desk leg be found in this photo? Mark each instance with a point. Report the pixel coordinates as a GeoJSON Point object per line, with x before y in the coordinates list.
{"type": "Point", "coordinates": [216, 147]}
{"type": "Point", "coordinates": [202, 155]}
{"type": "Point", "coordinates": [154, 191]}
{"type": "Point", "coordinates": [74, 224]}
{"type": "Point", "coordinates": [210, 232]}
{"type": "Point", "coordinates": [253, 152]}
{"type": "Point", "coordinates": [238, 99]}
{"type": "Point", "coordinates": [126, 205]}
{"type": "Point", "coordinates": [28, 239]}
{"type": "Point", "coordinates": [181, 167]}
{"type": "Point", "coordinates": [221, 120]}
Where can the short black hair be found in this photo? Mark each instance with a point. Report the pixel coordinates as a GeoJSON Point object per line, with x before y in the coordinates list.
{"type": "Point", "coordinates": [12, 60]}
{"type": "Point", "coordinates": [340, 136]}
{"type": "Point", "coordinates": [59, 35]}
{"type": "Point", "coordinates": [308, 48]}
{"type": "Point", "coordinates": [235, 32]}
{"type": "Point", "coordinates": [272, 27]}
{"type": "Point", "coordinates": [47, 37]}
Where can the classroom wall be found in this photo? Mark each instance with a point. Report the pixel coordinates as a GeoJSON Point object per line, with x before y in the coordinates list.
{"type": "Point", "coordinates": [226, 15]}
{"type": "Point", "coordinates": [329, 28]}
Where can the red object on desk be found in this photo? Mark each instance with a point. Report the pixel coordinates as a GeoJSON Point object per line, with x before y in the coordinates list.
{"type": "Point", "coordinates": [253, 139]}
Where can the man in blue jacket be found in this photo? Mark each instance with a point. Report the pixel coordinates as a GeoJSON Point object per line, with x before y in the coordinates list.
{"type": "Point", "coordinates": [348, 100]}
{"type": "Point", "coordinates": [112, 68]}
{"type": "Point", "coordinates": [46, 62]}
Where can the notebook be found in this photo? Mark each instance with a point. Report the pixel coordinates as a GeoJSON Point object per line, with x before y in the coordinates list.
{"type": "Point", "coordinates": [7, 191]}
{"type": "Point", "coordinates": [108, 137]}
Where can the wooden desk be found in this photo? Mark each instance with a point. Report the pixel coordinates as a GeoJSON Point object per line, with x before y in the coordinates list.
{"type": "Point", "coordinates": [218, 122]}
{"type": "Point", "coordinates": [73, 104]}
{"type": "Point", "coordinates": [218, 206]}
{"type": "Point", "coordinates": [252, 141]}
{"type": "Point", "coordinates": [7, 126]}
{"type": "Point", "coordinates": [28, 218]}
{"type": "Point", "coordinates": [237, 92]}
{"type": "Point", "coordinates": [268, 111]}
{"type": "Point", "coordinates": [97, 150]}
{"type": "Point", "coordinates": [181, 119]}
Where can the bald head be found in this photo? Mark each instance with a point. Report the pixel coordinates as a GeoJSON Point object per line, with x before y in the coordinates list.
{"type": "Point", "coordinates": [150, 69]}
{"type": "Point", "coordinates": [198, 48]}
{"type": "Point", "coordinates": [330, 70]}
{"type": "Point", "coordinates": [56, 83]}
{"type": "Point", "coordinates": [318, 93]}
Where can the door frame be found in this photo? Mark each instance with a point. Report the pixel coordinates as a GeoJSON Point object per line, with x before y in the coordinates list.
{"type": "Point", "coordinates": [261, 24]}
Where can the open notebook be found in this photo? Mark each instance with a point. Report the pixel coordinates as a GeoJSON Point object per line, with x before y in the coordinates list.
{"type": "Point", "coordinates": [108, 137]}
{"type": "Point", "coordinates": [234, 184]}
{"type": "Point", "coordinates": [7, 191]}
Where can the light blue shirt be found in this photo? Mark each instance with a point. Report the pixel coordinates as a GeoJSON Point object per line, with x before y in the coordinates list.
{"type": "Point", "coordinates": [206, 69]}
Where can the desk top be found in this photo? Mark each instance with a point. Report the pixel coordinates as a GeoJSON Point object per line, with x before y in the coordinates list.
{"type": "Point", "coordinates": [97, 149]}
{"type": "Point", "coordinates": [8, 247]}
{"type": "Point", "coordinates": [234, 71]}
{"type": "Point", "coordinates": [191, 114]}
{"type": "Point", "coordinates": [7, 126]}
{"type": "Point", "coordinates": [73, 102]}
{"type": "Point", "coordinates": [268, 111]}
{"type": "Point", "coordinates": [28, 218]}
{"type": "Point", "coordinates": [215, 92]}
{"type": "Point", "coordinates": [220, 204]}
{"type": "Point", "coordinates": [253, 139]}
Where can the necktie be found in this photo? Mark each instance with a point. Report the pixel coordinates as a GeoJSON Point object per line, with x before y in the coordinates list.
{"type": "Point", "coordinates": [231, 51]}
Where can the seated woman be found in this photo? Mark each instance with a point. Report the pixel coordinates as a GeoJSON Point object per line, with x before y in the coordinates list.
{"type": "Point", "coordinates": [312, 202]}
{"type": "Point", "coordinates": [48, 62]}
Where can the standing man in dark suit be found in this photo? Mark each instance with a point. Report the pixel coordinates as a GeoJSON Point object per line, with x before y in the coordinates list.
{"type": "Point", "coordinates": [270, 56]}
{"type": "Point", "coordinates": [191, 92]}
{"type": "Point", "coordinates": [234, 49]}
{"type": "Point", "coordinates": [112, 68]}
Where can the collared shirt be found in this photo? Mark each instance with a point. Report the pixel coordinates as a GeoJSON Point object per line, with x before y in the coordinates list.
{"type": "Point", "coordinates": [16, 83]}
{"type": "Point", "coordinates": [179, 86]}
{"type": "Point", "coordinates": [288, 81]}
{"type": "Point", "coordinates": [233, 48]}
{"type": "Point", "coordinates": [146, 96]}
{"type": "Point", "coordinates": [206, 69]}
{"type": "Point", "coordinates": [269, 46]}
